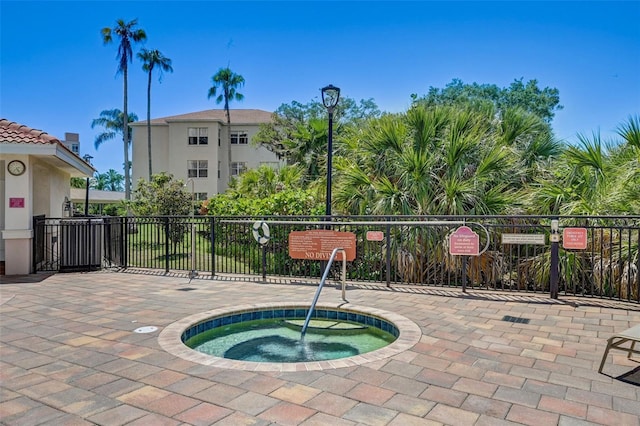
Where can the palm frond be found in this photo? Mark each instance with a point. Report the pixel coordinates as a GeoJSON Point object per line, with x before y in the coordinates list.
{"type": "Point", "coordinates": [630, 131]}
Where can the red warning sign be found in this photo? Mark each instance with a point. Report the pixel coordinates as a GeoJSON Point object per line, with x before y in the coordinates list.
{"type": "Point", "coordinates": [375, 236]}
{"type": "Point", "coordinates": [574, 238]}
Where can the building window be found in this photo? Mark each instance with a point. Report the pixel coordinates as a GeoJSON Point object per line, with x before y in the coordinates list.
{"type": "Point", "coordinates": [198, 136]}
{"type": "Point", "coordinates": [219, 169]}
{"type": "Point", "coordinates": [75, 148]}
{"type": "Point", "coordinates": [237, 168]}
{"type": "Point", "coordinates": [200, 196]}
{"type": "Point", "coordinates": [239, 138]}
{"type": "Point", "coordinates": [197, 168]}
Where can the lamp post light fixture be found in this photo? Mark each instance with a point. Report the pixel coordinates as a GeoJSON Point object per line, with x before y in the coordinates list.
{"type": "Point", "coordinates": [330, 97]}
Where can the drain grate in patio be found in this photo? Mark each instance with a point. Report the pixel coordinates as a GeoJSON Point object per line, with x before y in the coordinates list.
{"type": "Point", "coordinates": [186, 289]}
{"type": "Point", "coordinates": [516, 319]}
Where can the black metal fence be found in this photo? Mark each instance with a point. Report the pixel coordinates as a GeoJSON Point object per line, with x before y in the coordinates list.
{"type": "Point", "coordinates": [518, 253]}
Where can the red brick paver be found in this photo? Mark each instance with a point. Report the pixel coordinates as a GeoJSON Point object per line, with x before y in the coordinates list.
{"type": "Point", "coordinates": [68, 355]}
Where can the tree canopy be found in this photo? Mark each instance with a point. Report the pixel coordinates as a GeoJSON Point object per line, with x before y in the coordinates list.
{"type": "Point", "coordinates": [162, 196]}
{"type": "Point", "coordinates": [444, 160]}
{"type": "Point", "coordinates": [528, 96]}
{"type": "Point", "coordinates": [265, 191]}
{"type": "Point", "coordinates": [298, 132]}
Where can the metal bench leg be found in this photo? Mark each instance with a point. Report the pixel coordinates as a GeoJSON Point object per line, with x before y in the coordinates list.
{"type": "Point", "coordinates": [631, 349]}
{"type": "Point", "coordinates": [604, 357]}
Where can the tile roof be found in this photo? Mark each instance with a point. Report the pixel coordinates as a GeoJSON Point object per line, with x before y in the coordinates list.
{"type": "Point", "coordinates": [244, 116]}
{"type": "Point", "coordinates": [13, 132]}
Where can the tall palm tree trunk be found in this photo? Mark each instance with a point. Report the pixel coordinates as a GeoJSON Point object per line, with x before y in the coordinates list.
{"type": "Point", "coordinates": [149, 124]}
{"type": "Point", "coordinates": [226, 108]}
{"type": "Point", "coordinates": [125, 137]}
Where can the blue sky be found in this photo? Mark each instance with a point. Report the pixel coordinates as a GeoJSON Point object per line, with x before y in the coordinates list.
{"type": "Point", "coordinates": [57, 75]}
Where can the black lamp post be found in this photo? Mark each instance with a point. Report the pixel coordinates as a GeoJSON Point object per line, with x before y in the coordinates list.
{"type": "Point", "coordinates": [330, 97]}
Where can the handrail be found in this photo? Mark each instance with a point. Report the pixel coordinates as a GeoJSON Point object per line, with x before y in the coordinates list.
{"type": "Point", "coordinates": [322, 281]}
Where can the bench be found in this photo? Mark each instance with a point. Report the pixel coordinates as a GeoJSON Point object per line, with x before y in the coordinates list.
{"type": "Point", "coordinates": [616, 341]}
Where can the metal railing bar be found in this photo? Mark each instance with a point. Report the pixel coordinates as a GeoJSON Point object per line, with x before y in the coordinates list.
{"type": "Point", "coordinates": [321, 285]}
{"type": "Point", "coordinates": [359, 223]}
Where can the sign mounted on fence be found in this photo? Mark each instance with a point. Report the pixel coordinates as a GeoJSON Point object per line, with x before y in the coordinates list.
{"type": "Point", "coordinates": [464, 242]}
{"type": "Point", "coordinates": [574, 238]}
{"type": "Point", "coordinates": [537, 239]}
{"type": "Point", "coordinates": [375, 236]}
{"type": "Point", "coordinates": [318, 244]}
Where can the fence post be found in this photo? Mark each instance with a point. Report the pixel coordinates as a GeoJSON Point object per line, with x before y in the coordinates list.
{"type": "Point", "coordinates": [464, 274]}
{"type": "Point", "coordinates": [264, 262]}
{"type": "Point", "coordinates": [166, 245]}
{"type": "Point", "coordinates": [638, 274]}
{"type": "Point", "coordinates": [34, 244]}
{"type": "Point", "coordinates": [213, 246]}
{"type": "Point", "coordinates": [124, 242]}
{"type": "Point", "coordinates": [90, 244]}
{"type": "Point", "coordinates": [555, 258]}
{"type": "Point", "coordinates": [388, 260]}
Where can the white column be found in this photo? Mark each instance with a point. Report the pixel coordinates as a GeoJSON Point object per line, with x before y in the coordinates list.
{"type": "Point", "coordinates": [18, 213]}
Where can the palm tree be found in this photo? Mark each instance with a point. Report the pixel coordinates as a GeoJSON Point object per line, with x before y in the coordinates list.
{"type": "Point", "coordinates": [128, 34]}
{"type": "Point", "coordinates": [151, 59]}
{"type": "Point", "coordinates": [628, 159]}
{"type": "Point", "coordinates": [110, 120]}
{"type": "Point", "coordinates": [594, 177]}
{"type": "Point", "coordinates": [114, 180]}
{"type": "Point", "coordinates": [225, 84]}
{"type": "Point", "coordinates": [441, 160]}
{"type": "Point", "coordinates": [99, 181]}
{"type": "Point", "coordinates": [77, 182]}
{"type": "Point", "coordinates": [265, 181]}
{"type": "Point", "coordinates": [431, 160]}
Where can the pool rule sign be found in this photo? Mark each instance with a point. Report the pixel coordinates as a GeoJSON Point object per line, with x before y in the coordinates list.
{"type": "Point", "coordinates": [464, 242]}
{"type": "Point", "coordinates": [318, 244]}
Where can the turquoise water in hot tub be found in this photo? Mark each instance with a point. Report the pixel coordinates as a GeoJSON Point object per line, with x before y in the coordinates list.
{"type": "Point", "coordinates": [280, 340]}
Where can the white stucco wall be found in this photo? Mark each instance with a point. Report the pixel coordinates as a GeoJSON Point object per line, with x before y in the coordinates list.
{"type": "Point", "coordinates": [52, 186]}
{"type": "Point", "coordinates": [3, 166]}
{"type": "Point", "coordinates": [17, 232]}
{"type": "Point", "coordinates": [139, 154]}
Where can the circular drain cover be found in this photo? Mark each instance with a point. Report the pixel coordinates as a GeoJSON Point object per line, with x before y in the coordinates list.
{"type": "Point", "coordinates": [147, 329]}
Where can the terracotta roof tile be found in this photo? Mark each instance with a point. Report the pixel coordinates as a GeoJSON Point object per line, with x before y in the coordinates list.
{"type": "Point", "coordinates": [244, 116]}
{"type": "Point", "coordinates": [13, 132]}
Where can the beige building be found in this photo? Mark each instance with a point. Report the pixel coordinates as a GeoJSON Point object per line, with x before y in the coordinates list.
{"type": "Point", "coordinates": [196, 146]}
{"type": "Point", "coordinates": [35, 173]}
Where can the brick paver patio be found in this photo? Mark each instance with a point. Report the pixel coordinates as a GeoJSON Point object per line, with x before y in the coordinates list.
{"type": "Point", "coordinates": [69, 356]}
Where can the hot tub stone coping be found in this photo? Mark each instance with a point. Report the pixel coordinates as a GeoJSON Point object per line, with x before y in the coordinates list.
{"type": "Point", "coordinates": [170, 339]}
